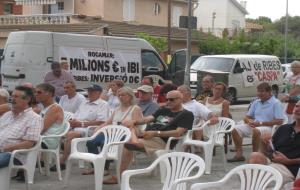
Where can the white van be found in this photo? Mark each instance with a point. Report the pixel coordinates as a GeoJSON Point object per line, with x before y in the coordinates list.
{"type": "Point", "coordinates": [28, 55]}
{"type": "Point", "coordinates": [242, 73]}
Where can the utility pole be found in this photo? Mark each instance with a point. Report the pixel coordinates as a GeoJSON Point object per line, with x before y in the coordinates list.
{"type": "Point", "coordinates": [188, 53]}
{"type": "Point", "coordinates": [213, 23]}
{"type": "Point", "coordinates": [169, 31]}
{"type": "Point", "coordinates": [286, 31]}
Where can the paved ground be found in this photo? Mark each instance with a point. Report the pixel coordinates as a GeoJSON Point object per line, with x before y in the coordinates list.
{"type": "Point", "coordinates": [78, 182]}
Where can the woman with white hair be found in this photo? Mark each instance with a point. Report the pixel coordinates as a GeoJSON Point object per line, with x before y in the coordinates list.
{"type": "Point", "coordinates": [293, 90]}
{"type": "Point", "coordinates": [4, 105]}
{"type": "Point", "coordinates": [127, 110]}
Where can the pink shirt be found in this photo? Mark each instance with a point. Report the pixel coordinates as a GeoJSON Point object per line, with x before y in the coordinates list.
{"type": "Point", "coordinates": [58, 82]}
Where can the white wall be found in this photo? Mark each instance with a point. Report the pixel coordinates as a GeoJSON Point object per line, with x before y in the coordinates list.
{"type": "Point", "coordinates": [235, 14]}
{"type": "Point", "coordinates": [225, 11]}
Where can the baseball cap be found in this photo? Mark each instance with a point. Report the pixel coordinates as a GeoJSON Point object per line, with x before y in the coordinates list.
{"type": "Point", "coordinates": [94, 87]}
{"type": "Point", "coordinates": [146, 88]}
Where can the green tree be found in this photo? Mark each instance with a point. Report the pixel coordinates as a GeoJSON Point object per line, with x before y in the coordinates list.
{"type": "Point", "coordinates": [159, 43]}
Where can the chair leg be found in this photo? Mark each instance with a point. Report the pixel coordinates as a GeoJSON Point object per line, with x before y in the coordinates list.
{"type": "Point", "coordinates": [226, 143]}
{"type": "Point", "coordinates": [39, 163]}
{"type": "Point", "coordinates": [58, 166]}
{"type": "Point", "coordinates": [98, 170]}
{"type": "Point", "coordinates": [5, 178]}
{"type": "Point", "coordinates": [68, 172]}
{"type": "Point", "coordinates": [208, 154]}
{"type": "Point", "coordinates": [47, 159]}
{"type": "Point", "coordinates": [224, 157]}
{"type": "Point", "coordinates": [118, 173]}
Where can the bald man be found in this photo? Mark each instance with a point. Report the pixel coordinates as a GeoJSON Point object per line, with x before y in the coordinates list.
{"type": "Point", "coordinates": [170, 121]}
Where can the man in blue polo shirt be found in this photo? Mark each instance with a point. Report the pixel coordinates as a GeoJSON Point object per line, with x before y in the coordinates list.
{"type": "Point", "coordinates": [263, 114]}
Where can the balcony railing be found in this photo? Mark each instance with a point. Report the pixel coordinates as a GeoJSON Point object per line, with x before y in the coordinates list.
{"type": "Point", "coordinates": [35, 19]}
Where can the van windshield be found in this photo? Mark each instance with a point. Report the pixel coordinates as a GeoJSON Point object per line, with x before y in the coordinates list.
{"type": "Point", "coordinates": [213, 63]}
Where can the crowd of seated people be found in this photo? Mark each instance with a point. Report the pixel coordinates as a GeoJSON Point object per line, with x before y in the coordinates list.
{"type": "Point", "coordinates": [167, 110]}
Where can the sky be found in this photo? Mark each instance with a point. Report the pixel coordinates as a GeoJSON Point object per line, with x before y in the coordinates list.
{"type": "Point", "coordinates": [273, 9]}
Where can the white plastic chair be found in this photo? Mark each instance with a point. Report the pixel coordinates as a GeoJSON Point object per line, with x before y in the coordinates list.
{"type": "Point", "coordinates": [251, 176]}
{"type": "Point", "coordinates": [49, 152]}
{"type": "Point", "coordinates": [179, 167]}
{"type": "Point", "coordinates": [28, 166]}
{"type": "Point", "coordinates": [215, 134]}
{"type": "Point", "coordinates": [178, 148]}
{"type": "Point", "coordinates": [115, 137]}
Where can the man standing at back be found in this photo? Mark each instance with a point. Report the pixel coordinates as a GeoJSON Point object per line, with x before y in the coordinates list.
{"type": "Point", "coordinates": [57, 78]}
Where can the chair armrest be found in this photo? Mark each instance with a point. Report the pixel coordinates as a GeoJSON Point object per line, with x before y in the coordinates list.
{"type": "Point", "coordinates": [51, 136]}
{"type": "Point", "coordinates": [76, 141]}
{"type": "Point", "coordinates": [183, 180]}
{"type": "Point", "coordinates": [170, 139]}
{"type": "Point", "coordinates": [199, 186]}
{"type": "Point", "coordinates": [106, 148]}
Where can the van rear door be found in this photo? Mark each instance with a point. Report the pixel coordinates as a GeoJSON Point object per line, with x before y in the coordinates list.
{"type": "Point", "coordinates": [25, 59]}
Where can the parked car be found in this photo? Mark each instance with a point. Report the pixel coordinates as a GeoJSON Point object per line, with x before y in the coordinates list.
{"type": "Point", "coordinates": [287, 72]}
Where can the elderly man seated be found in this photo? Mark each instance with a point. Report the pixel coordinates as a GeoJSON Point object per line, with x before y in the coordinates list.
{"type": "Point", "coordinates": [95, 111]}
{"type": "Point", "coordinates": [283, 151]}
{"type": "Point", "coordinates": [172, 121]}
{"type": "Point", "coordinates": [146, 102]}
{"type": "Point", "coordinates": [263, 114]}
{"type": "Point", "coordinates": [72, 100]}
{"type": "Point", "coordinates": [19, 128]}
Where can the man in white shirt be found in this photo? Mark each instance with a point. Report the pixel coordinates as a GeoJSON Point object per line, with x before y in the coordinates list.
{"type": "Point", "coordinates": [200, 111]}
{"type": "Point", "coordinates": [95, 111]}
{"type": "Point", "coordinates": [72, 100]}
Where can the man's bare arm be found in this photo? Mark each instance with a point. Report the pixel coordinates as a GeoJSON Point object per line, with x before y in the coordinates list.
{"type": "Point", "coordinates": [26, 144]}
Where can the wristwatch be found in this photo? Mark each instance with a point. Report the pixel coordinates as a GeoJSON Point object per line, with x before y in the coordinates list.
{"type": "Point", "coordinates": [158, 133]}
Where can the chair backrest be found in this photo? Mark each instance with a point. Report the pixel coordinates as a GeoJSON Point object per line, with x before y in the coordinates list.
{"type": "Point", "coordinates": [68, 115]}
{"type": "Point", "coordinates": [114, 134]}
{"type": "Point", "coordinates": [225, 125]}
{"type": "Point", "coordinates": [256, 176]}
{"type": "Point", "coordinates": [180, 165]}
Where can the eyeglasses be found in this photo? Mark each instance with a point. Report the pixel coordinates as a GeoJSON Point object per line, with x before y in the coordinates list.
{"type": "Point", "coordinates": [171, 99]}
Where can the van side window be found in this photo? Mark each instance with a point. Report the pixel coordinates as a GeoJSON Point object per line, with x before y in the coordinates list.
{"type": "Point", "coordinates": [238, 68]}
{"type": "Point", "coordinates": [150, 59]}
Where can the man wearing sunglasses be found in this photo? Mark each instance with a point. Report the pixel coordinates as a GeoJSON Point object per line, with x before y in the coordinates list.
{"type": "Point", "coordinates": [170, 121]}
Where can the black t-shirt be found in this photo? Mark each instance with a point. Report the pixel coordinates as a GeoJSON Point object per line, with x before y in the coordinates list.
{"type": "Point", "coordinates": [287, 141]}
{"type": "Point", "coordinates": [172, 120]}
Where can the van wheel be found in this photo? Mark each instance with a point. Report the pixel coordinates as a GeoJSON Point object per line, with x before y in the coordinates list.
{"type": "Point", "coordinates": [231, 95]}
{"type": "Point", "coordinates": [275, 90]}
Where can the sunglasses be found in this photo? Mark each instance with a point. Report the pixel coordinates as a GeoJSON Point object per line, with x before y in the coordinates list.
{"type": "Point", "coordinates": [171, 99]}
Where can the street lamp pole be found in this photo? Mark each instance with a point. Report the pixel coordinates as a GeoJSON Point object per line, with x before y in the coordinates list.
{"type": "Point", "coordinates": [169, 30]}
{"type": "Point", "coordinates": [188, 45]}
{"type": "Point", "coordinates": [286, 31]}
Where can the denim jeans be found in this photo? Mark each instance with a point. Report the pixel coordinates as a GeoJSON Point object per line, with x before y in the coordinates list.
{"type": "Point", "coordinates": [93, 145]}
{"type": "Point", "coordinates": [5, 158]}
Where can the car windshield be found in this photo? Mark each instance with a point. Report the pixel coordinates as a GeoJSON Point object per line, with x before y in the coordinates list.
{"type": "Point", "coordinates": [213, 63]}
